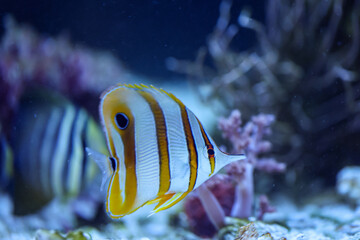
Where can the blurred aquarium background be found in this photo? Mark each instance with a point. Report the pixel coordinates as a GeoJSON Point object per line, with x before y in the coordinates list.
{"type": "Point", "coordinates": [277, 80]}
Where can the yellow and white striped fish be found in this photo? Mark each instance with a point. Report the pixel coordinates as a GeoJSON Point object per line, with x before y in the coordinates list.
{"type": "Point", "coordinates": [159, 150]}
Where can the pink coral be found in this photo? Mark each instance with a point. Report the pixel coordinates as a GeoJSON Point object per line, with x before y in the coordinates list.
{"type": "Point", "coordinates": [264, 207]}
{"type": "Point", "coordinates": [249, 139]}
{"type": "Point", "coordinates": [200, 219]}
{"type": "Point", "coordinates": [237, 186]}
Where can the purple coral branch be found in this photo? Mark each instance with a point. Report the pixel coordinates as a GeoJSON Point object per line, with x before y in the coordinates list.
{"type": "Point", "coordinates": [244, 189]}
{"type": "Point", "coordinates": [269, 165]}
{"type": "Point", "coordinates": [250, 139]}
{"type": "Point", "coordinates": [211, 206]}
{"type": "Point", "coordinates": [264, 207]}
{"type": "Point", "coordinates": [233, 194]}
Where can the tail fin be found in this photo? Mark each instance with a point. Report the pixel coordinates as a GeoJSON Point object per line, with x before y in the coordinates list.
{"type": "Point", "coordinates": [235, 157]}
{"type": "Point", "coordinates": [224, 159]}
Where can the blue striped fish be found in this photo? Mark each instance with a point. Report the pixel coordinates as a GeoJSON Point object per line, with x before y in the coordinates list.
{"type": "Point", "coordinates": [50, 161]}
{"type": "Point", "coordinates": [159, 150]}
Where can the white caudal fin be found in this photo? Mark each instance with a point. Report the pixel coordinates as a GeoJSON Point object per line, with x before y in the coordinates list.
{"type": "Point", "coordinates": [235, 157]}
{"type": "Point", "coordinates": [223, 159]}
{"type": "Point", "coordinates": [104, 164]}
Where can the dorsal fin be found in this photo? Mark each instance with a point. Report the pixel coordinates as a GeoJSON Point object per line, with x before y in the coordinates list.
{"type": "Point", "coordinates": [144, 87]}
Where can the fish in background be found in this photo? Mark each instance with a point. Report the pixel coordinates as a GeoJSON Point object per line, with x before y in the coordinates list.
{"type": "Point", "coordinates": [49, 142]}
{"type": "Point", "coordinates": [6, 162]}
{"type": "Point", "coordinates": [159, 150]}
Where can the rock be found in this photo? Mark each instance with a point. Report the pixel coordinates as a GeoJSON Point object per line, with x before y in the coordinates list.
{"type": "Point", "coordinates": [259, 230]}
{"type": "Point", "coordinates": [348, 184]}
{"type": "Point", "coordinates": [55, 235]}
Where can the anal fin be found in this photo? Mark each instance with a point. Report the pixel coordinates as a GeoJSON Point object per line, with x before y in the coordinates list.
{"type": "Point", "coordinates": [161, 199]}
{"type": "Point", "coordinates": [169, 201]}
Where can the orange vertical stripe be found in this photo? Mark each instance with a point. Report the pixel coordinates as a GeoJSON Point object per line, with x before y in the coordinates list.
{"type": "Point", "coordinates": [128, 138]}
{"type": "Point", "coordinates": [117, 206]}
{"type": "Point", "coordinates": [208, 146]}
{"type": "Point", "coordinates": [115, 196]}
{"type": "Point", "coordinates": [193, 157]}
{"type": "Point", "coordinates": [161, 141]}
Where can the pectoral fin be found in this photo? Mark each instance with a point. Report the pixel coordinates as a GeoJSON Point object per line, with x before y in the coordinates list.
{"type": "Point", "coordinates": [104, 164]}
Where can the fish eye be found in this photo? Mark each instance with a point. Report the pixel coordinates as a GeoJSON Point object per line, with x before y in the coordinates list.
{"type": "Point", "coordinates": [113, 163]}
{"type": "Point", "coordinates": [210, 151]}
{"type": "Point", "coordinates": [122, 121]}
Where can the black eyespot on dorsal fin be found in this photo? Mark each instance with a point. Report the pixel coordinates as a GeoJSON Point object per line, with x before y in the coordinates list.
{"type": "Point", "coordinates": [211, 152]}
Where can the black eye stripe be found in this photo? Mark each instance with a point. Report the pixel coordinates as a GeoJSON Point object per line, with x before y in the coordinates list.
{"type": "Point", "coordinates": [122, 121]}
{"type": "Point", "coordinates": [113, 163]}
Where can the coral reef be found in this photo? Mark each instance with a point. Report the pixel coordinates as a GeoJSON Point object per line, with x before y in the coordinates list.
{"type": "Point", "coordinates": [54, 235]}
{"type": "Point", "coordinates": [57, 221]}
{"type": "Point", "coordinates": [322, 217]}
{"type": "Point", "coordinates": [303, 69]}
{"type": "Point", "coordinates": [234, 191]}
{"type": "Point", "coordinates": [301, 79]}
{"type": "Point", "coordinates": [222, 188]}
{"type": "Point", "coordinates": [27, 59]}
{"type": "Point", "coordinates": [258, 230]}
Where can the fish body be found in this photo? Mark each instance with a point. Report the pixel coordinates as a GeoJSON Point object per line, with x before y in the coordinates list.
{"type": "Point", "coordinates": [159, 150]}
{"type": "Point", "coordinates": [49, 141]}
